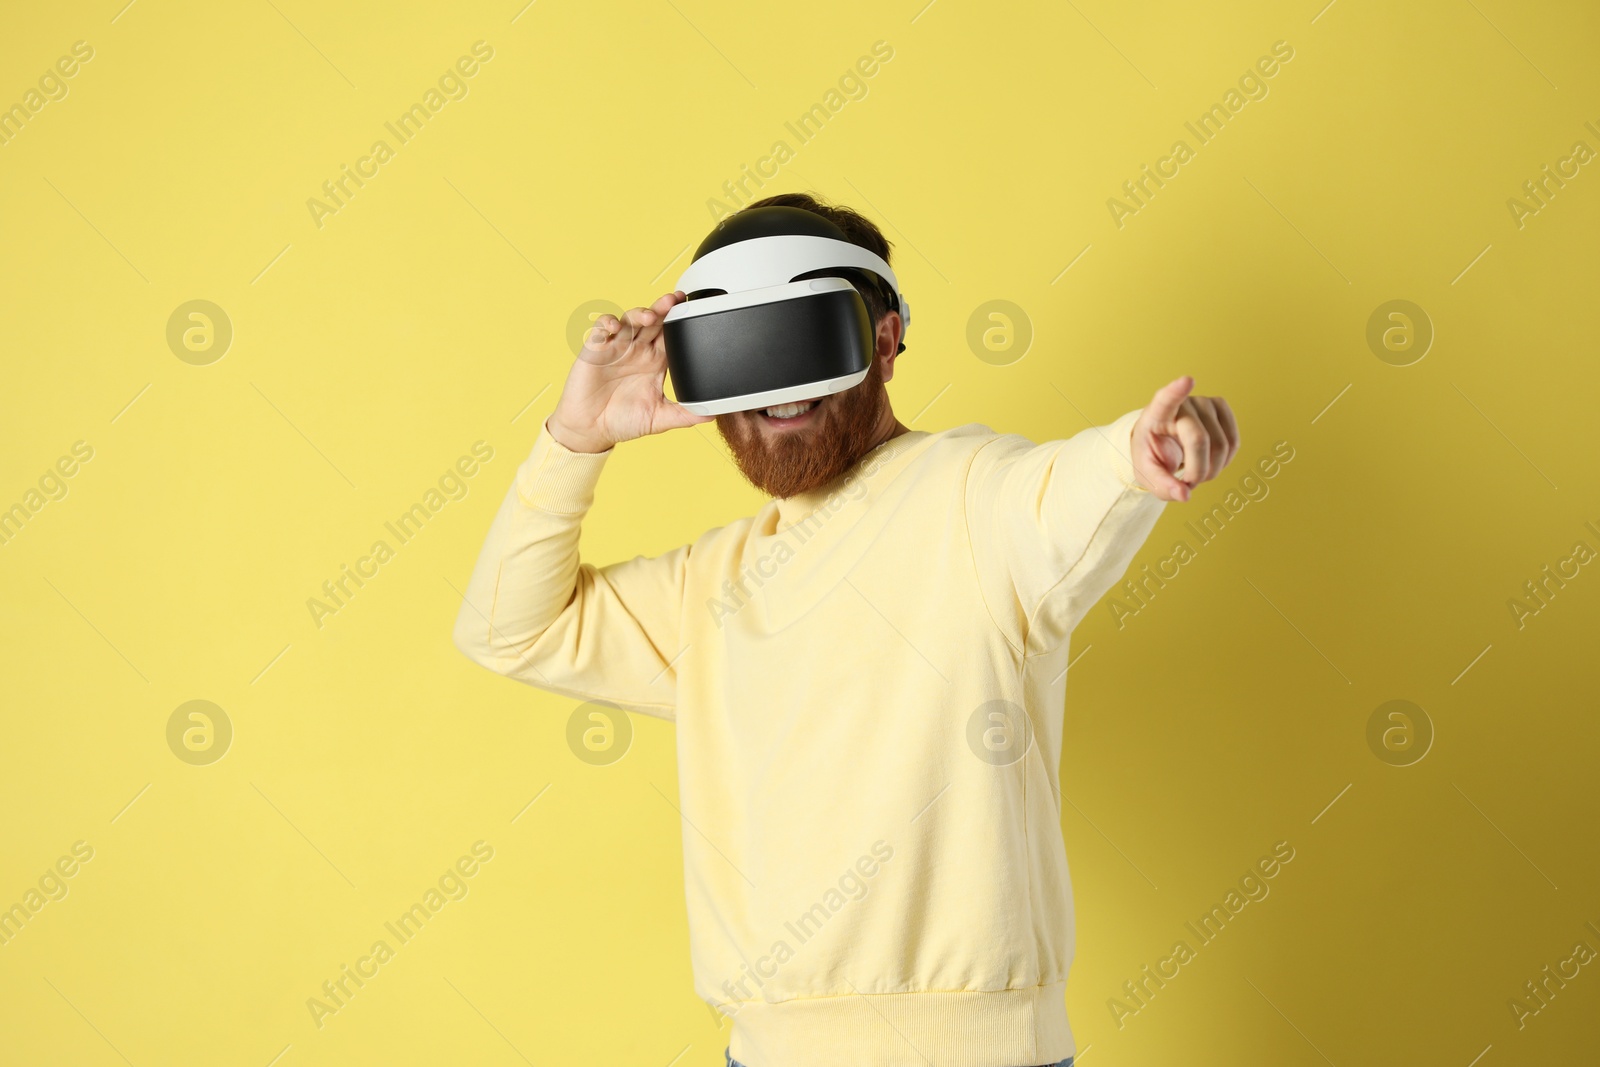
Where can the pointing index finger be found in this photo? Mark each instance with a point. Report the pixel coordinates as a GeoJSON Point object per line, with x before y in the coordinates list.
{"type": "Point", "coordinates": [1164, 407]}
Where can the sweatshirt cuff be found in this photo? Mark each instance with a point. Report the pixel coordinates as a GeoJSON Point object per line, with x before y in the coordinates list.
{"type": "Point", "coordinates": [1117, 445]}
{"type": "Point", "coordinates": [554, 478]}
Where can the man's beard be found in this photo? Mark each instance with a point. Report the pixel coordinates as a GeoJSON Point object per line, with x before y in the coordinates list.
{"type": "Point", "coordinates": [787, 462]}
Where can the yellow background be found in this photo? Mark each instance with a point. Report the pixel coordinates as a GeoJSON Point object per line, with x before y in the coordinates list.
{"type": "Point", "coordinates": [369, 353]}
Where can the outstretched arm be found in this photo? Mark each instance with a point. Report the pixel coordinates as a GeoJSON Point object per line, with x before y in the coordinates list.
{"type": "Point", "coordinates": [1055, 525]}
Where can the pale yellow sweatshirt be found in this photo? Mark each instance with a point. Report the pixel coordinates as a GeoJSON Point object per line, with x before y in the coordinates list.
{"type": "Point", "coordinates": [867, 682]}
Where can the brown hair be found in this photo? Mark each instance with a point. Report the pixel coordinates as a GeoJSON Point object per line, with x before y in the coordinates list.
{"type": "Point", "coordinates": [860, 230]}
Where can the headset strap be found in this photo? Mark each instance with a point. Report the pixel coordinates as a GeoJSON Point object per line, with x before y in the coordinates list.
{"type": "Point", "coordinates": [765, 261]}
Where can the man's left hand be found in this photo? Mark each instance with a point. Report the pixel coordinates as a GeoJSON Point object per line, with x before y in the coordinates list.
{"type": "Point", "coordinates": [1180, 440]}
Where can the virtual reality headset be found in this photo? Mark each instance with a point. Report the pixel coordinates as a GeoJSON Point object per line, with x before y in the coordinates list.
{"type": "Point", "coordinates": [772, 313]}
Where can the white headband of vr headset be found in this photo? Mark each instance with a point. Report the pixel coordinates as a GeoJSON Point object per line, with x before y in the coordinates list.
{"type": "Point", "coordinates": [766, 261]}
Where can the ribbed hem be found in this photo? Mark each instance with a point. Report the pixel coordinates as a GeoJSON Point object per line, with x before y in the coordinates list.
{"type": "Point", "coordinates": [1118, 448]}
{"type": "Point", "coordinates": [555, 478]}
{"type": "Point", "coordinates": [1000, 1028]}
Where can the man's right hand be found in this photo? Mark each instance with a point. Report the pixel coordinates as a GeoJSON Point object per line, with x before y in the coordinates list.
{"type": "Point", "coordinates": [613, 392]}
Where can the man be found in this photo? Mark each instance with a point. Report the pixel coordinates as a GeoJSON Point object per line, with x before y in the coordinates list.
{"type": "Point", "coordinates": [867, 679]}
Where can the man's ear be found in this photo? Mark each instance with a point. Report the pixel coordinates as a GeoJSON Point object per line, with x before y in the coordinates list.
{"type": "Point", "coordinates": [888, 342]}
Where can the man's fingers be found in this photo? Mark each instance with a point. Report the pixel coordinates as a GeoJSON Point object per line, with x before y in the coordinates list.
{"type": "Point", "coordinates": [1196, 443]}
{"type": "Point", "coordinates": [1218, 455]}
{"type": "Point", "coordinates": [636, 320]}
{"type": "Point", "coordinates": [1154, 469]}
{"type": "Point", "coordinates": [1154, 456]}
{"type": "Point", "coordinates": [636, 324]}
{"type": "Point", "coordinates": [1230, 427]}
{"type": "Point", "coordinates": [652, 315]}
{"type": "Point", "coordinates": [1163, 408]}
{"type": "Point", "coordinates": [1204, 442]}
{"type": "Point", "coordinates": [639, 325]}
{"type": "Point", "coordinates": [671, 415]}
{"type": "Point", "coordinates": [598, 349]}
{"type": "Point", "coordinates": [600, 333]}
{"type": "Point", "coordinates": [664, 303]}
{"type": "Point", "coordinates": [646, 322]}
{"type": "Point", "coordinates": [1171, 452]}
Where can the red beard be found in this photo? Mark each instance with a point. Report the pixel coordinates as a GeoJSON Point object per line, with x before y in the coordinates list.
{"type": "Point", "coordinates": [785, 462]}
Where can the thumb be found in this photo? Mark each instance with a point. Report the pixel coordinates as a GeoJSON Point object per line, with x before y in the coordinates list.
{"type": "Point", "coordinates": [1171, 453]}
{"type": "Point", "coordinates": [1156, 456]}
{"type": "Point", "coordinates": [671, 415]}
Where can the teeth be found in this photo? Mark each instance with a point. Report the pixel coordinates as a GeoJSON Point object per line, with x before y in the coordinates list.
{"type": "Point", "coordinates": [785, 411]}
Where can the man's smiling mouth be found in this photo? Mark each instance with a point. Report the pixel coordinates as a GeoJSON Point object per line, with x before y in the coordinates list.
{"type": "Point", "coordinates": [791, 414]}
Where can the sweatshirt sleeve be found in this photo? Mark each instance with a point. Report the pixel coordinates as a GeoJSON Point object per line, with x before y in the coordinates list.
{"type": "Point", "coordinates": [1053, 526]}
{"type": "Point", "coordinates": [534, 612]}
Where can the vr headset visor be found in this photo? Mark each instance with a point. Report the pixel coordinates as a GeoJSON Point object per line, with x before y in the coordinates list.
{"type": "Point", "coordinates": [772, 315]}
